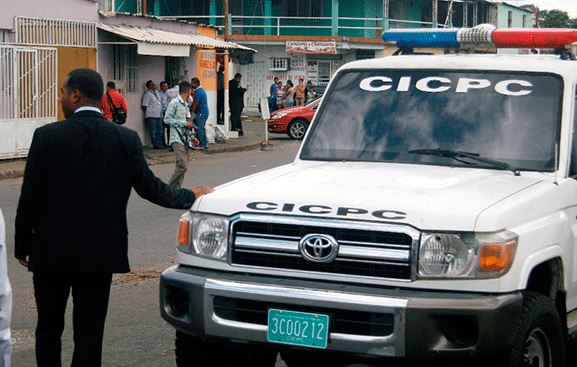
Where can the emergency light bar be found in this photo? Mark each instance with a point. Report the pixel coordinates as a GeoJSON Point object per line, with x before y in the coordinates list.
{"type": "Point", "coordinates": [482, 35]}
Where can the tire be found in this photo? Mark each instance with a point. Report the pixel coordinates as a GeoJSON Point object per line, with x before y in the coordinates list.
{"type": "Point", "coordinates": [297, 129]}
{"type": "Point", "coordinates": [537, 338]}
{"type": "Point", "coordinates": [194, 352]}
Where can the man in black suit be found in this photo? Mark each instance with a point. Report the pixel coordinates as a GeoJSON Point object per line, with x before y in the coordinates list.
{"type": "Point", "coordinates": [71, 229]}
{"type": "Point", "coordinates": [236, 103]}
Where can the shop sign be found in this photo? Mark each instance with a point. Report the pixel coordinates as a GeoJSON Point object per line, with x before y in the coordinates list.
{"type": "Point", "coordinates": [311, 47]}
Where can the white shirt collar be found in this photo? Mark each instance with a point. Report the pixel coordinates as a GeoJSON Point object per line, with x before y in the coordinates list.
{"type": "Point", "coordinates": [87, 108]}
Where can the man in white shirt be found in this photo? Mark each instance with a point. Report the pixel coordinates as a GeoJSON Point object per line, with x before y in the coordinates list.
{"type": "Point", "coordinates": [152, 108]}
{"type": "Point", "coordinates": [5, 301]}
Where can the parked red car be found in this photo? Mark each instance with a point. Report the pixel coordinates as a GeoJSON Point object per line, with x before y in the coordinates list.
{"type": "Point", "coordinates": [293, 121]}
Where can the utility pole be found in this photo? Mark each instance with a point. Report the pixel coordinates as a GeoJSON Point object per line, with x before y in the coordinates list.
{"type": "Point", "coordinates": [466, 13]}
{"type": "Point", "coordinates": [435, 15]}
{"type": "Point", "coordinates": [386, 16]}
{"type": "Point", "coordinates": [226, 25]}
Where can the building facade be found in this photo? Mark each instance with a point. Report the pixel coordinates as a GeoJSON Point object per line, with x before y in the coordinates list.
{"type": "Point", "coordinates": [39, 45]}
{"type": "Point", "coordinates": [134, 49]}
{"type": "Point", "coordinates": [311, 39]}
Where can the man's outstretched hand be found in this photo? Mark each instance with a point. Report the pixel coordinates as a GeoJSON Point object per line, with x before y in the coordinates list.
{"type": "Point", "coordinates": [201, 190]}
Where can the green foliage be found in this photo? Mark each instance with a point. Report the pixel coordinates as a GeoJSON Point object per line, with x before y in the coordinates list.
{"type": "Point", "coordinates": [556, 18]}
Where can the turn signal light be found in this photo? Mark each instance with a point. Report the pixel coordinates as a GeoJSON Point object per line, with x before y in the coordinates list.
{"type": "Point", "coordinates": [496, 257]}
{"type": "Point", "coordinates": [183, 232]}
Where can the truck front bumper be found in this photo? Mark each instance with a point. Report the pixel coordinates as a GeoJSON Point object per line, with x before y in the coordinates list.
{"type": "Point", "coordinates": [373, 322]}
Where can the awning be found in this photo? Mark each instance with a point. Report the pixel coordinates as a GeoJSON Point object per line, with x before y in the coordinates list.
{"type": "Point", "coordinates": [156, 42]}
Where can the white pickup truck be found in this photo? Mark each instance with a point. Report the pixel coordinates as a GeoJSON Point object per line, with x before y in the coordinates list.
{"type": "Point", "coordinates": [431, 212]}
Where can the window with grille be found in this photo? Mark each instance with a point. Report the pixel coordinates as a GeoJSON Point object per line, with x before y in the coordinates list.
{"type": "Point", "coordinates": [279, 64]}
{"type": "Point", "coordinates": [124, 69]}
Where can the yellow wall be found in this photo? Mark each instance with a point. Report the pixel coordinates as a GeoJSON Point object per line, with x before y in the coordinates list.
{"type": "Point", "coordinates": [206, 63]}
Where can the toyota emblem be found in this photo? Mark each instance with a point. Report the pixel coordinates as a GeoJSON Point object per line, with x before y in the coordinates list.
{"type": "Point", "coordinates": [319, 248]}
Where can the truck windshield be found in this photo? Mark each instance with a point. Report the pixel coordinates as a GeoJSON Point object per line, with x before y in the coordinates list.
{"type": "Point", "coordinates": [393, 116]}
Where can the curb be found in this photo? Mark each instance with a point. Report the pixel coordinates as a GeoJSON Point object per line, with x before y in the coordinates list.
{"type": "Point", "coordinates": [14, 173]}
{"type": "Point", "coordinates": [151, 160]}
{"type": "Point", "coordinates": [241, 148]}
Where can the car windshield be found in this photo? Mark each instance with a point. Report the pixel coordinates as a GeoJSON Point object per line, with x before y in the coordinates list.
{"type": "Point", "coordinates": [429, 116]}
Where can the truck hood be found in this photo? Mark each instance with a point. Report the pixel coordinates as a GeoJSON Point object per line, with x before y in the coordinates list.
{"type": "Point", "coordinates": [426, 197]}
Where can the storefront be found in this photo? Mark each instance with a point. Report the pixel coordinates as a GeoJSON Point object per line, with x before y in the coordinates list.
{"type": "Point", "coordinates": [133, 50]}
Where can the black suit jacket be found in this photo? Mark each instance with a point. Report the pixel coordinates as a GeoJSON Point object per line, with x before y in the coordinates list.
{"type": "Point", "coordinates": [72, 211]}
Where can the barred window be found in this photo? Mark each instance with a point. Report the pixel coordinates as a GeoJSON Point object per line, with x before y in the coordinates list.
{"type": "Point", "coordinates": [124, 69]}
{"type": "Point", "coordinates": [279, 64]}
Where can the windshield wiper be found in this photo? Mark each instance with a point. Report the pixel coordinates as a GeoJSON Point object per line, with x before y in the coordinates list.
{"type": "Point", "coordinates": [473, 156]}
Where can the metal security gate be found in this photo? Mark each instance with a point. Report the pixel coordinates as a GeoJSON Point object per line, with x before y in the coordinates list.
{"type": "Point", "coordinates": [28, 96]}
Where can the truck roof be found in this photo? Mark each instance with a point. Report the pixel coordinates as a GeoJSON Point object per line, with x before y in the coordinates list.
{"type": "Point", "coordinates": [530, 63]}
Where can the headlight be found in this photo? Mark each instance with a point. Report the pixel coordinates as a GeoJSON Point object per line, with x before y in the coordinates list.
{"type": "Point", "coordinates": [467, 255]}
{"type": "Point", "coordinates": [278, 116]}
{"type": "Point", "coordinates": [208, 235]}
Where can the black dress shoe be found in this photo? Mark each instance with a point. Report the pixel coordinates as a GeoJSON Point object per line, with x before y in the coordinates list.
{"type": "Point", "coordinates": [240, 133]}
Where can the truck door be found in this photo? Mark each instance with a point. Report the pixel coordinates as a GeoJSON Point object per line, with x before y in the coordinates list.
{"type": "Point", "coordinates": [572, 292]}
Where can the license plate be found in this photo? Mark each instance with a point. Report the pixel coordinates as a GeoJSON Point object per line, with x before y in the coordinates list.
{"type": "Point", "coordinates": [298, 328]}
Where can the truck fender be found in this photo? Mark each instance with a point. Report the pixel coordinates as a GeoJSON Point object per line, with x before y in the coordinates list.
{"type": "Point", "coordinates": [536, 259]}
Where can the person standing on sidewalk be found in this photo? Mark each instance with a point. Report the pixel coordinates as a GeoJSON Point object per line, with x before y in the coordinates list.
{"type": "Point", "coordinates": [178, 117]}
{"type": "Point", "coordinates": [200, 108]}
{"type": "Point", "coordinates": [236, 103]}
{"type": "Point", "coordinates": [300, 93]}
{"type": "Point", "coordinates": [113, 100]}
{"type": "Point", "coordinates": [272, 99]}
{"type": "Point", "coordinates": [164, 100]}
{"type": "Point", "coordinates": [71, 229]}
{"type": "Point", "coordinates": [289, 96]}
{"type": "Point", "coordinates": [152, 108]}
{"type": "Point", "coordinates": [220, 96]}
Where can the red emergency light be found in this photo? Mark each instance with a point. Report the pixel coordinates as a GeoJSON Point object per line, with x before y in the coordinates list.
{"type": "Point", "coordinates": [534, 38]}
{"type": "Point", "coordinates": [482, 35]}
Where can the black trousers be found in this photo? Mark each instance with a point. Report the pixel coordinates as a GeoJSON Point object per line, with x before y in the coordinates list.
{"type": "Point", "coordinates": [235, 121]}
{"type": "Point", "coordinates": [220, 107]}
{"type": "Point", "coordinates": [90, 294]}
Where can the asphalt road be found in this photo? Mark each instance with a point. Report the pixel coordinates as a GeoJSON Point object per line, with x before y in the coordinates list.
{"type": "Point", "coordinates": [135, 333]}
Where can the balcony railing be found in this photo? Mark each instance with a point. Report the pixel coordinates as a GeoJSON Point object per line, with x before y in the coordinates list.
{"type": "Point", "coordinates": [305, 26]}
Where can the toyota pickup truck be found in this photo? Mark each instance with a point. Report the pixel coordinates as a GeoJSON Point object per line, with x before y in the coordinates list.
{"type": "Point", "coordinates": [440, 220]}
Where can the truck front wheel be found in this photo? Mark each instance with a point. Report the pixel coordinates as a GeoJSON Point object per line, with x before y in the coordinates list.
{"type": "Point", "coordinates": [194, 352]}
{"type": "Point", "coordinates": [537, 339]}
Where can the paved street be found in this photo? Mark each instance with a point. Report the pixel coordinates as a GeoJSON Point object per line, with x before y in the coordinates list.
{"type": "Point", "coordinates": [135, 333]}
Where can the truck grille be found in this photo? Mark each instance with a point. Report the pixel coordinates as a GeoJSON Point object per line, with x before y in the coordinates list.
{"type": "Point", "coordinates": [342, 321]}
{"type": "Point", "coordinates": [361, 252]}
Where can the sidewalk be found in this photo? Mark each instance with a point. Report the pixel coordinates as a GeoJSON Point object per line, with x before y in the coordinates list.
{"type": "Point", "coordinates": [253, 136]}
